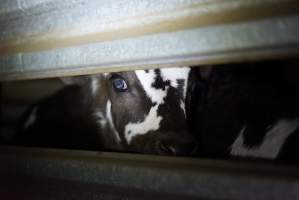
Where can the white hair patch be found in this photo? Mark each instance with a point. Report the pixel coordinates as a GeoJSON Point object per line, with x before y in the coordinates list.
{"type": "Point", "coordinates": [147, 79]}
{"type": "Point", "coordinates": [168, 74]}
{"type": "Point", "coordinates": [175, 74]}
{"type": "Point", "coordinates": [94, 85]}
{"type": "Point", "coordinates": [272, 143]}
{"type": "Point", "coordinates": [31, 118]}
{"type": "Point", "coordinates": [110, 120]}
{"type": "Point", "coordinates": [150, 123]}
{"type": "Point", "coordinates": [100, 119]}
{"type": "Point", "coordinates": [182, 105]}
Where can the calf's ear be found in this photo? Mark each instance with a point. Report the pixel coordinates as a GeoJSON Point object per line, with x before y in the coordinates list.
{"type": "Point", "coordinates": [74, 80]}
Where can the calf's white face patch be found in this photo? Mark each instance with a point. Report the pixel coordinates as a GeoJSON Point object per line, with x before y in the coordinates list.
{"type": "Point", "coordinates": [147, 78]}
{"type": "Point", "coordinates": [150, 123]}
{"type": "Point", "coordinates": [110, 121]}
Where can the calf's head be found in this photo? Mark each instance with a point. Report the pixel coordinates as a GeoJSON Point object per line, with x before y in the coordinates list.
{"type": "Point", "coordinates": [142, 111]}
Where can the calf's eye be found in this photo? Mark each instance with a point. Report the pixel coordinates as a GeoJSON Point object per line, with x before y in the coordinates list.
{"type": "Point", "coordinates": [119, 84]}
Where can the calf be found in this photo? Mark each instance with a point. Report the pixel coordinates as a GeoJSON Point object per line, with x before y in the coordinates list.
{"type": "Point", "coordinates": [141, 111]}
{"type": "Point", "coordinates": [248, 110]}
{"type": "Point", "coordinates": [60, 121]}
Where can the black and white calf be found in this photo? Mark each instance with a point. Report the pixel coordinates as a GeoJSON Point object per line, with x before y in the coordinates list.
{"type": "Point", "coordinates": [141, 111]}
{"type": "Point", "coordinates": [247, 110]}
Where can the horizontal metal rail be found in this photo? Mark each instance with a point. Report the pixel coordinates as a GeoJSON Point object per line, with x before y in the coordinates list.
{"type": "Point", "coordinates": [49, 38]}
{"type": "Point", "coordinates": [33, 173]}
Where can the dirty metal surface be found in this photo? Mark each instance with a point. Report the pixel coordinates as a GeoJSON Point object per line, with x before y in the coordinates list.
{"type": "Point", "coordinates": [58, 174]}
{"type": "Point", "coordinates": [50, 38]}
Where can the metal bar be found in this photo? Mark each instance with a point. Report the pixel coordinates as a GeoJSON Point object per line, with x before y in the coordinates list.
{"type": "Point", "coordinates": [69, 24]}
{"type": "Point", "coordinates": [133, 176]}
{"type": "Point", "coordinates": [49, 38]}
